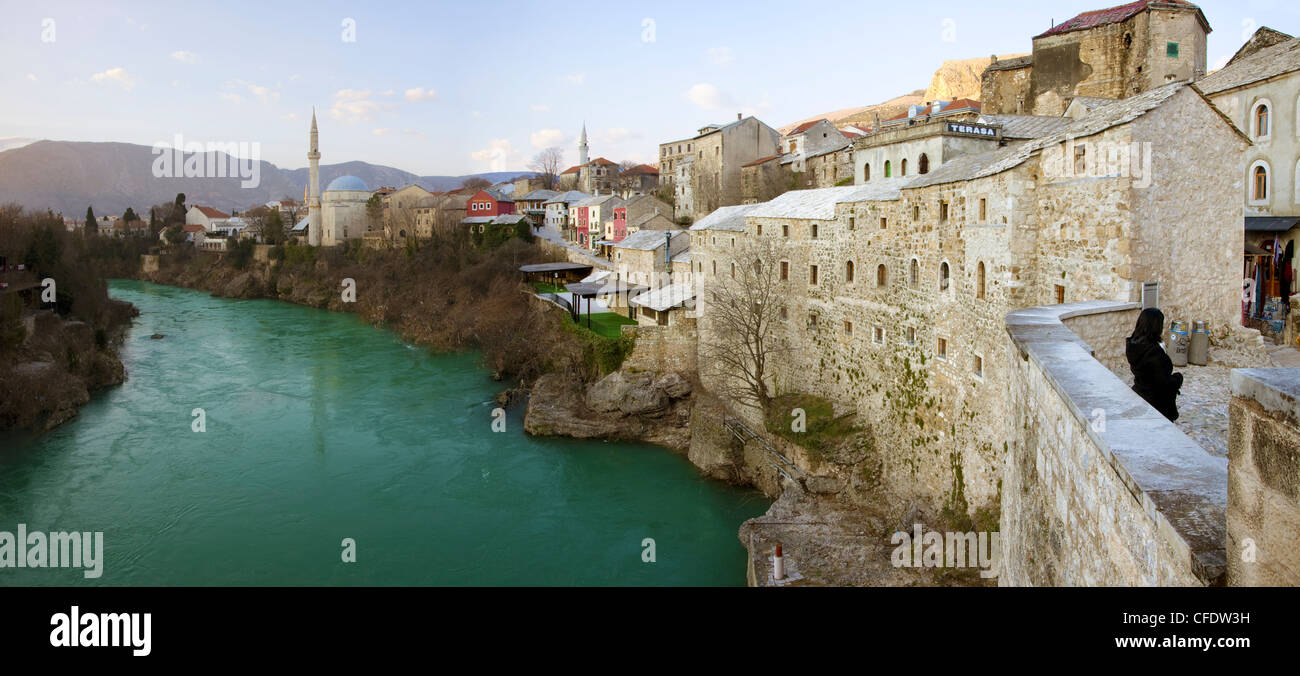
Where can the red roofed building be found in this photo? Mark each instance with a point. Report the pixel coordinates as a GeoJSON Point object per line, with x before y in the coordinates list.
{"type": "Point", "coordinates": [489, 202]}
{"type": "Point", "coordinates": [1110, 53]}
{"type": "Point", "coordinates": [642, 179]}
{"type": "Point", "coordinates": [204, 216]}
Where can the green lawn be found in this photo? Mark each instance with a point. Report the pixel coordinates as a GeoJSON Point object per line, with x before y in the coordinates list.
{"type": "Point", "coordinates": [605, 323]}
{"type": "Point", "coordinates": [547, 287]}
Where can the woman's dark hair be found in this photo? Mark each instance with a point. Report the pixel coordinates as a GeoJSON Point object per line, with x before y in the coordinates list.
{"type": "Point", "coordinates": [1150, 326]}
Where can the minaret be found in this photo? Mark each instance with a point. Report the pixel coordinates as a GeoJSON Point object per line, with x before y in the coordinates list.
{"type": "Point", "coordinates": [584, 172]}
{"type": "Point", "coordinates": [313, 197]}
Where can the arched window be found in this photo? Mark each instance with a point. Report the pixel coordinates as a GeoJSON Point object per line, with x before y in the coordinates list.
{"type": "Point", "coordinates": [866, 172]}
{"type": "Point", "coordinates": [882, 275]}
{"type": "Point", "coordinates": [923, 165]}
{"type": "Point", "coordinates": [943, 276]}
{"type": "Point", "coordinates": [902, 168]}
{"type": "Point", "coordinates": [1262, 126]}
{"type": "Point", "coordinates": [979, 280]}
{"type": "Point", "coordinates": [848, 272]}
{"type": "Point", "coordinates": [1259, 182]}
{"type": "Point", "coordinates": [914, 274]}
{"type": "Point", "coordinates": [887, 169]}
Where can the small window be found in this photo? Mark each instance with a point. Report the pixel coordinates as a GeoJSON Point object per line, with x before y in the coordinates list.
{"type": "Point", "coordinates": [882, 275]}
{"type": "Point", "coordinates": [878, 336]}
{"type": "Point", "coordinates": [785, 231]}
{"type": "Point", "coordinates": [1171, 50]}
{"type": "Point", "coordinates": [848, 328]}
{"type": "Point", "coordinates": [1080, 160]}
{"type": "Point", "coordinates": [733, 270]}
{"type": "Point", "coordinates": [1261, 183]}
{"type": "Point", "coordinates": [848, 272]}
{"type": "Point", "coordinates": [911, 335]}
{"type": "Point", "coordinates": [812, 274]}
{"type": "Point", "coordinates": [715, 267]}
{"type": "Point", "coordinates": [1060, 294]}
{"type": "Point", "coordinates": [851, 223]}
{"type": "Point", "coordinates": [984, 213]}
{"type": "Point", "coordinates": [943, 212]}
{"type": "Point", "coordinates": [1261, 121]}
{"type": "Point", "coordinates": [914, 274]}
{"type": "Point", "coordinates": [979, 366]}
{"type": "Point", "coordinates": [760, 228]}
{"type": "Point", "coordinates": [785, 270]}
{"type": "Point", "coordinates": [884, 223]}
{"type": "Point", "coordinates": [902, 168]}
{"type": "Point", "coordinates": [866, 172]}
{"type": "Point", "coordinates": [813, 231]}
{"type": "Point", "coordinates": [944, 276]}
{"type": "Point", "coordinates": [886, 169]}
{"type": "Point", "coordinates": [812, 320]}
{"type": "Point", "coordinates": [785, 314]}
{"type": "Point", "coordinates": [942, 349]}
{"type": "Point", "coordinates": [979, 280]}
{"type": "Point", "coordinates": [916, 213]}
{"type": "Point", "coordinates": [923, 165]}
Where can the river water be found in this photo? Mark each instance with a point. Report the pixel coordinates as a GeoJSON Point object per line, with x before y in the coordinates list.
{"type": "Point", "coordinates": [319, 427]}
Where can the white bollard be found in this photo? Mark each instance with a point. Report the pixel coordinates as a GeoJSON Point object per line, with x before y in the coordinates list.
{"type": "Point", "coordinates": [778, 565]}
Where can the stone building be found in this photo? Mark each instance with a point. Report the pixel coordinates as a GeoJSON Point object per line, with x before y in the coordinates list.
{"type": "Point", "coordinates": [1259, 91]}
{"type": "Point", "coordinates": [1108, 53]}
{"type": "Point", "coordinates": [712, 161]}
{"type": "Point", "coordinates": [764, 179]}
{"type": "Point", "coordinates": [897, 288]}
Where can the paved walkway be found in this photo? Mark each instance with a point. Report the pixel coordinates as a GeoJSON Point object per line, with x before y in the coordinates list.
{"type": "Point", "coordinates": [1284, 356]}
{"type": "Point", "coordinates": [554, 235]}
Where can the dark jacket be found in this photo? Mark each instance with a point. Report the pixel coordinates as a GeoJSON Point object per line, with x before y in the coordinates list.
{"type": "Point", "coordinates": [1153, 376]}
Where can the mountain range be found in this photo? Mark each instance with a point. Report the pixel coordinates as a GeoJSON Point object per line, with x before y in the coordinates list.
{"type": "Point", "coordinates": [68, 176]}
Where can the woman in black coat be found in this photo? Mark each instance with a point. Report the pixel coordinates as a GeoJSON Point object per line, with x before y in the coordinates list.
{"type": "Point", "coordinates": [1153, 372]}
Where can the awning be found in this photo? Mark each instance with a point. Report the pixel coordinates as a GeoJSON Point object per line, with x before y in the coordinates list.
{"type": "Point", "coordinates": [1270, 223]}
{"type": "Point", "coordinates": [1252, 250]}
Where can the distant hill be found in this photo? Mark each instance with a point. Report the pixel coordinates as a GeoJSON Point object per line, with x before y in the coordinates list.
{"type": "Point", "coordinates": [68, 176]}
{"type": "Point", "coordinates": [15, 142]}
{"type": "Point", "coordinates": [956, 79]}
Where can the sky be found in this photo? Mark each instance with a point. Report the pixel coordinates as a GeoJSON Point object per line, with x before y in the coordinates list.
{"type": "Point", "coordinates": [456, 88]}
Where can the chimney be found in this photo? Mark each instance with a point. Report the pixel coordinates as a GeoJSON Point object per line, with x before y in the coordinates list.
{"type": "Point", "coordinates": [737, 116]}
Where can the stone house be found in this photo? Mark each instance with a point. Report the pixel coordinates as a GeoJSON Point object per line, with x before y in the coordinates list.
{"type": "Point", "coordinates": [1108, 53]}
{"type": "Point", "coordinates": [763, 179]}
{"type": "Point", "coordinates": [533, 204]}
{"type": "Point", "coordinates": [715, 157]}
{"type": "Point", "coordinates": [557, 210]}
{"type": "Point", "coordinates": [642, 179]}
{"type": "Point", "coordinates": [1260, 92]}
{"type": "Point", "coordinates": [200, 215]}
{"type": "Point", "coordinates": [641, 258]}
{"type": "Point", "coordinates": [897, 289]}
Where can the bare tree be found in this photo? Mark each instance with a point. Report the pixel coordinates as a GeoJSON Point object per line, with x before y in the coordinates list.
{"type": "Point", "coordinates": [743, 304]}
{"type": "Point", "coordinates": [476, 183]}
{"type": "Point", "coordinates": [547, 165]}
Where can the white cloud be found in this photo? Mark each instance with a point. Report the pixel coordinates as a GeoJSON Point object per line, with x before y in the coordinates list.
{"type": "Point", "coordinates": [31, 76]}
{"type": "Point", "coordinates": [264, 94]}
{"type": "Point", "coordinates": [720, 56]}
{"type": "Point", "coordinates": [500, 155]}
{"type": "Point", "coordinates": [118, 75]}
{"type": "Point", "coordinates": [1218, 65]}
{"type": "Point", "coordinates": [708, 96]}
{"type": "Point", "coordinates": [354, 105]}
{"type": "Point", "coordinates": [576, 78]}
{"type": "Point", "coordinates": [184, 56]}
{"type": "Point", "coordinates": [386, 92]}
{"type": "Point", "coordinates": [540, 108]}
{"type": "Point", "coordinates": [289, 116]}
{"type": "Point", "coordinates": [227, 96]}
{"type": "Point", "coordinates": [421, 94]}
{"type": "Point", "coordinates": [545, 138]}
{"type": "Point", "coordinates": [382, 132]}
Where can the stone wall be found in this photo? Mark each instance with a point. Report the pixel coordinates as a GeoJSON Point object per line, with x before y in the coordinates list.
{"type": "Point", "coordinates": [149, 263]}
{"type": "Point", "coordinates": [1264, 478]}
{"type": "Point", "coordinates": [1097, 487]}
{"type": "Point", "coordinates": [663, 349]}
{"type": "Point", "coordinates": [1105, 333]}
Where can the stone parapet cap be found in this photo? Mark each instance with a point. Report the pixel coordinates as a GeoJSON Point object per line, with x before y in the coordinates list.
{"type": "Point", "coordinates": [1180, 486]}
{"type": "Point", "coordinates": [1277, 390]}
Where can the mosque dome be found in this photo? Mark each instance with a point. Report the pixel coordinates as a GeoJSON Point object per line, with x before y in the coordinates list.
{"type": "Point", "coordinates": [347, 183]}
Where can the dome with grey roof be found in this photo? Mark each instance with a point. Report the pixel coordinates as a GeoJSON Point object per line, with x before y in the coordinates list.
{"type": "Point", "coordinates": [347, 183]}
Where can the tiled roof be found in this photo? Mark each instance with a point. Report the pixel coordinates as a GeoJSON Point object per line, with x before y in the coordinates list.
{"type": "Point", "coordinates": [603, 161]}
{"type": "Point", "coordinates": [1025, 126]}
{"type": "Point", "coordinates": [210, 212]}
{"type": "Point", "coordinates": [1090, 103]}
{"type": "Point", "coordinates": [1262, 65]}
{"type": "Point", "coordinates": [804, 127]}
{"type": "Point", "coordinates": [986, 164]}
{"type": "Point", "coordinates": [761, 160]}
{"type": "Point", "coordinates": [820, 204]}
{"type": "Point", "coordinates": [646, 240]}
{"type": "Point", "coordinates": [666, 297]}
{"type": "Point", "coordinates": [646, 218]}
{"type": "Point", "coordinates": [1012, 63]}
{"type": "Point", "coordinates": [642, 169]}
{"type": "Point", "coordinates": [726, 218]}
{"type": "Point", "coordinates": [1110, 15]}
{"type": "Point", "coordinates": [569, 197]}
{"type": "Point", "coordinates": [539, 195]}
{"type": "Point", "coordinates": [571, 170]}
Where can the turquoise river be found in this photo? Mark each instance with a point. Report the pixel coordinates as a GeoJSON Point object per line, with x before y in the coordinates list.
{"type": "Point", "coordinates": [320, 427]}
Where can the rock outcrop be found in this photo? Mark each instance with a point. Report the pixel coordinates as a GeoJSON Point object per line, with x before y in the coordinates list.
{"type": "Point", "coordinates": [623, 406]}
